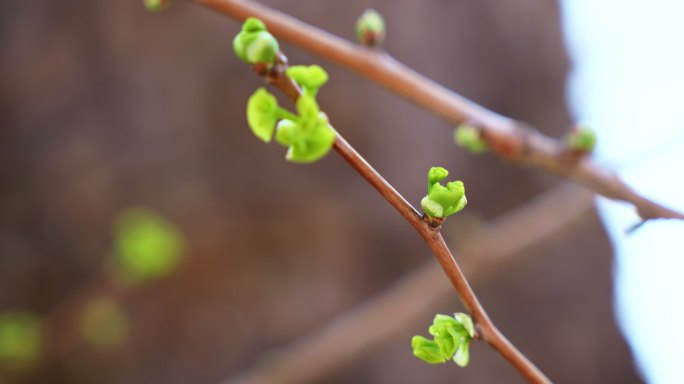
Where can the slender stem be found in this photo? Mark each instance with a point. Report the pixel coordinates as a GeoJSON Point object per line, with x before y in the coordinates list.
{"type": "Point", "coordinates": [487, 331]}
{"type": "Point", "coordinates": [512, 140]}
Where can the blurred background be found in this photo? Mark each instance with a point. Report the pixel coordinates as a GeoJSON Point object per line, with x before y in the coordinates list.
{"type": "Point", "coordinates": [123, 138]}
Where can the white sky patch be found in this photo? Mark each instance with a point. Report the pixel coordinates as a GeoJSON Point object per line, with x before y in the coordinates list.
{"type": "Point", "coordinates": [628, 83]}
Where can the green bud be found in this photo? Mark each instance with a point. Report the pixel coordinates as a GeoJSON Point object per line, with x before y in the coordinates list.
{"type": "Point", "coordinates": [156, 5]}
{"type": "Point", "coordinates": [452, 336]}
{"type": "Point", "coordinates": [252, 24]}
{"type": "Point", "coordinates": [262, 114]}
{"type": "Point", "coordinates": [426, 350]}
{"type": "Point", "coordinates": [581, 139]}
{"type": "Point", "coordinates": [370, 28]}
{"type": "Point", "coordinates": [20, 340]}
{"type": "Point", "coordinates": [443, 201]}
{"type": "Point", "coordinates": [254, 44]}
{"type": "Point", "coordinates": [470, 138]}
{"type": "Point", "coordinates": [431, 208]}
{"type": "Point", "coordinates": [311, 77]}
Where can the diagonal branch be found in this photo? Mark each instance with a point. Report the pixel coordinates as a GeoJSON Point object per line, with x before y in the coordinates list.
{"type": "Point", "coordinates": [513, 140]}
{"type": "Point", "coordinates": [360, 331]}
{"type": "Point", "coordinates": [486, 330]}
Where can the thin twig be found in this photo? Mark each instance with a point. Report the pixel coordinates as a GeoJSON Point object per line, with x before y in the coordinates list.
{"type": "Point", "coordinates": [360, 331]}
{"type": "Point", "coordinates": [487, 331]}
{"type": "Point", "coordinates": [513, 140]}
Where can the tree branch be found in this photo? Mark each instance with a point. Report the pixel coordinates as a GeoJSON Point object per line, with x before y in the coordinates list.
{"type": "Point", "coordinates": [361, 330]}
{"type": "Point", "coordinates": [486, 330]}
{"type": "Point", "coordinates": [512, 140]}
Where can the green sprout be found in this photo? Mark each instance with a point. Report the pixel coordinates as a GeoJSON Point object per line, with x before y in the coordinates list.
{"type": "Point", "coordinates": [441, 201]}
{"type": "Point", "coordinates": [470, 138]}
{"type": "Point", "coordinates": [451, 340]}
{"type": "Point", "coordinates": [307, 134]}
{"type": "Point", "coordinates": [581, 139]}
{"type": "Point", "coordinates": [148, 246]}
{"type": "Point", "coordinates": [254, 44]}
{"type": "Point", "coordinates": [156, 5]}
{"type": "Point", "coordinates": [370, 28]}
{"type": "Point", "coordinates": [310, 78]}
{"type": "Point", "coordinates": [103, 323]}
{"type": "Point", "coordinates": [20, 339]}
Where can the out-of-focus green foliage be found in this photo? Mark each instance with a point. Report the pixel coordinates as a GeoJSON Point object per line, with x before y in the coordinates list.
{"type": "Point", "coordinates": [156, 5]}
{"type": "Point", "coordinates": [470, 138]}
{"type": "Point", "coordinates": [581, 139]}
{"type": "Point", "coordinates": [20, 339]}
{"type": "Point", "coordinates": [147, 247]}
{"type": "Point", "coordinates": [103, 323]}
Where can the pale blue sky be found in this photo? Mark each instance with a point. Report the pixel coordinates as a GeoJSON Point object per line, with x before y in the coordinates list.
{"type": "Point", "coordinates": [628, 83]}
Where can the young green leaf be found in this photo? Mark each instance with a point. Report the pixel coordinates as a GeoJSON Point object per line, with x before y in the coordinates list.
{"type": "Point", "coordinates": [308, 135]}
{"type": "Point", "coordinates": [311, 77]}
{"type": "Point", "coordinates": [314, 146]}
{"type": "Point", "coordinates": [443, 201]}
{"type": "Point", "coordinates": [452, 336]}
{"type": "Point", "coordinates": [462, 355]}
{"type": "Point", "coordinates": [467, 323]}
{"type": "Point", "coordinates": [435, 175]}
{"type": "Point", "coordinates": [443, 330]}
{"type": "Point", "coordinates": [262, 114]}
{"type": "Point", "coordinates": [427, 350]}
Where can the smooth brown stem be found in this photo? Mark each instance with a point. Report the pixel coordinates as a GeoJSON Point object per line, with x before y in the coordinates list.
{"type": "Point", "coordinates": [512, 140]}
{"type": "Point", "coordinates": [487, 330]}
{"type": "Point", "coordinates": [432, 236]}
{"type": "Point", "coordinates": [429, 232]}
{"type": "Point", "coordinates": [361, 331]}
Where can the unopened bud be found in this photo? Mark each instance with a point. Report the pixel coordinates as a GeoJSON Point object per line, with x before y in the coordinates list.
{"type": "Point", "coordinates": [156, 5]}
{"type": "Point", "coordinates": [254, 44]}
{"type": "Point", "coordinates": [581, 140]}
{"type": "Point", "coordinates": [470, 138]}
{"type": "Point", "coordinates": [370, 28]}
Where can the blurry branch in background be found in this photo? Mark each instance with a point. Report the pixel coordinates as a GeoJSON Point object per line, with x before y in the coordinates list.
{"type": "Point", "coordinates": [147, 247]}
{"type": "Point", "coordinates": [361, 330]}
{"type": "Point", "coordinates": [278, 73]}
{"type": "Point", "coordinates": [512, 140]}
